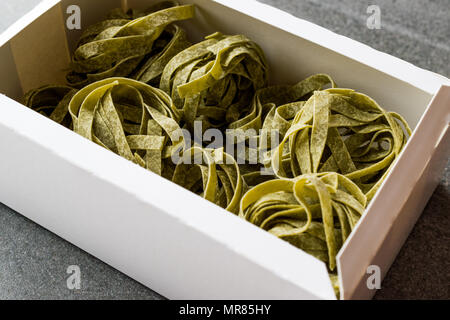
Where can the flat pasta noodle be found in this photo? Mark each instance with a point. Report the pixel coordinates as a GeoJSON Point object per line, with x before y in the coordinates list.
{"type": "Point", "coordinates": [340, 130]}
{"type": "Point", "coordinates": [134, 44]}
{"type": "Point", "coordinates": [52, 101]}
{"type": "Point", "coordinates": [272, 111]}
{"type": "Point", "coordinates": [131, 119]}
{"type": "Point", "coordinates": [314, 212]}
{"type": "Point", "coordinates": [212, 174]}
{"type": "Point", "coordinates": [214, 81]}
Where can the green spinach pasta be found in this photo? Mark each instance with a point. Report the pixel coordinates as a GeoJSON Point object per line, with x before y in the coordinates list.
{"type": "Point", "coordinates": [52, 101]}
{"type": "Point", "coordinates": [213, 81]}
{"type": "Point", "coordinates": [138, 88]}
{"type": "Point", "coordinates": [129, 118]}
{"type": "Point", "coordinates": [125, 47]}
{"type": "Point", "coordinates": [340, 130]}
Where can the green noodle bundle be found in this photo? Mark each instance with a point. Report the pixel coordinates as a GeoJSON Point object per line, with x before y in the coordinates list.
{"type": "Point", "coordinates": [129, 118]}
{"type": "Point", "coordinates": [214, 81]}
{"type": "Point", "coordinates": [314, 212]}
{"type": "Point", "coordinates": [340, 130]}
{"type": "Point", "coordinates": [284, 102]}
{"type": "Point", "coordinates": [138, 48]}
{"type": "Point", "coordinates": [271, 110]}
{"type": "Point", "coordinates": [52, 101]}
{"type": "Point", "coordinates": [213, 174]}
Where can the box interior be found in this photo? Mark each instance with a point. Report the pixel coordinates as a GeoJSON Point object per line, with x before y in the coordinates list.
{"type": "Point", "coordinates": [40, 54]}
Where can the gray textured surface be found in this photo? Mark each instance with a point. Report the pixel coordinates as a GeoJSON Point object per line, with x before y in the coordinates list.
{"type": "Point", "coordinates": [33, 261]}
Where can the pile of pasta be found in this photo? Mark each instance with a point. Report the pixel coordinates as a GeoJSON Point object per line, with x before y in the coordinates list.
{"type": "Point", "coordinates": [136, 81]}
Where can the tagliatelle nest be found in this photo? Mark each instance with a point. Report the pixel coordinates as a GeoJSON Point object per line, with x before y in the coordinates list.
{"type": "Point", "coordinates": [214, 81]}
{"type": "Point", "coordinates": [302, 210]}
{"type": "Point", "coordinates": [130, 118]}
{"type": "Point", "coordinates": [340, 130]}
{"type": "Point", "coordinates": [133, 45]}
{"type": "Point", "coordinates": [52, 102]}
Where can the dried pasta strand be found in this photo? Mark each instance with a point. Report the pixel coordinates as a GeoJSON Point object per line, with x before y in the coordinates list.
{"type": "Point", "coordinates": [101, 111]}
{"type": "Point", "coordinates": [134, 44]}
{"type": "Point", "coordinates": [213, 174]}
{"type": "Point", "coordinates": [315, 212]}
{"type": "Point", "coordinates": [343, 131]}
{"type": "Point", "coordinates": [52, 101]}
{"type": "Point", "coordinates": [214, 79]}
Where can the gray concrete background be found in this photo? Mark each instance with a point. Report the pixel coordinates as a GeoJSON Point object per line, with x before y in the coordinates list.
{"type": "Point", "coordinates": [33, 261]}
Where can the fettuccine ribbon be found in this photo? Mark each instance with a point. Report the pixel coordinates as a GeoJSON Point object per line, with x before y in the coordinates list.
{"type": "Point", "coordinates": [138, 48]}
